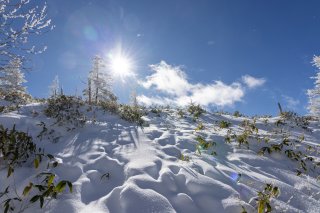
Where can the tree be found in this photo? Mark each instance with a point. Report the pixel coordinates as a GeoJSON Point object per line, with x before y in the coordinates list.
{"type": "Point", "coordinates": [134, 99]}
{"type": "Point", "coordinates": [314, 94]}
{"type": "Point", "coordinates": [54, 87]}
{"type": "Point", "coordinates": [88, 92]}
{"type": "Point", "coordinates": [20, 21]}
{"type": "Point", "coordinates": [11, 80]}
{"type": "Point", "coordinates": [99, 83]}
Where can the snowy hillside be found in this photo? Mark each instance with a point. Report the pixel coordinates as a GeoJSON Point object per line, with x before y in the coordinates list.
{"type": "Point", "coordinates": [174, 163]}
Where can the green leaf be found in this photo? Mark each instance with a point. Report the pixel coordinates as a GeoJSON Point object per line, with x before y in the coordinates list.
{"type": "Point", "coordinates": [261, 207]}
{"type": "Point", "coordinates": [50, 179]}
{"type": "Point", "coordinates": [10, 171]}
{"type": "Point", "coordinates": [34, 198]}
{"type": "Point", "coordinates": [41, 201]}
{"type": "Point", "coordinates": [70, 186]}
{"type": "Point", "coordinates": [276, 191]}
{"type": "Point", "coordinates": [55, 164]}
{"type": "Point", "coordinates": [268, 207]}
{"type": "Point", "coordinates": [36, 163]}
{"type": "Point", "coordinates": [27, 189]}
{"type": "Point", "coordinates": [50, 156]}
{"type": "Point", "coordinates": [7, 208]}
{"type": "Point", "coordinates": [61, 185]}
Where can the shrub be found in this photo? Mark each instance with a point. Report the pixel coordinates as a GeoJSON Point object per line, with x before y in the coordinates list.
{"type": "Point", "coordinates": [250, 127]}
{"type": "Point", "coordinates": [204, 145]}
{"type": "Point", "coordinates": [200, 127]}
{"type": "Point", "coordinates": [264, 198]}
{"type": "Point", "coordinates": [65, 109]}
{"type": "Point", "coordinates": [301, 121]}
{"type": "Point", "coordinates": [17, 97]}
{"type": "Point", "coordinates": [184, 158]}
{"type": "Point", "coordinates": [195, 110]}
{"type": "Point", "coordinates": [243, 139]}
{"type": "Point", "coordinates": [110, 106]}
{"type": "Point", "coordinates": [156, 111]}
{"type": "Point", "coordinates": [237, 114]}
{"type": "Point", "coordinates": [48, 134]}
{"type": "Point", "coordinates": [181, 113]}
{"type": "Point", "coordinates": [16, 148]}
{"type": "Point", "coordinates": [131, 114]}
{"type": "Point", "coordinates": [224, 124]}
{"type": "Point", "coordinates": [47, 189]}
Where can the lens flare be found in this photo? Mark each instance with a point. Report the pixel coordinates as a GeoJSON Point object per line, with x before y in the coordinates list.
{"type": "Point", "coordinates": [235, 177]}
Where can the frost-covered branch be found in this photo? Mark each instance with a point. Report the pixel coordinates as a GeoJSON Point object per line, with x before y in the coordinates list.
{"type": "Point", "coordinates": [20, 22]}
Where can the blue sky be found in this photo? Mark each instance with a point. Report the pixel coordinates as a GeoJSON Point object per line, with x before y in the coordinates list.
{"type": "Point", "coordinates": [211, 47]}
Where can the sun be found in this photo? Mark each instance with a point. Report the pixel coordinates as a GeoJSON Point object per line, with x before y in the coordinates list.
{"type": "Point", "coordinates": [120, 66]}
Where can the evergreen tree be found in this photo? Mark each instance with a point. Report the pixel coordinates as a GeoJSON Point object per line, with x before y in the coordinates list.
{"type": "Point", "coordinates": [11, 80]}
{"type": "Point", "coordinates": [314, 94]}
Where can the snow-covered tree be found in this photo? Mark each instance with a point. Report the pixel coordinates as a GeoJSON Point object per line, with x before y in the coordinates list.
{"type": "Point", "coordinates": [314, 94]}
{"type": "Point", "coordinates": [133, 98]}
{"type": "Point", "coordinates": [12, 79]}
{"type": "Point", "coordinates": [20, 21]}
{"type": "Point", "coordinates": [54, 87]}
{"type": "Point", "coordinates": [88, 92]}
{"type": "Point", "coordinates": [99, 83]}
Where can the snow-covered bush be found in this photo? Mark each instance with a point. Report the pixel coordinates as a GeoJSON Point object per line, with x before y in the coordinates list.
{"type": "Point", "coordinates": [110, 106]}
{"type": "Point", "coordinates": [131, 114]}
{"type": "Point", "coordinates": [237, 114]}
{"type": "Point", "coordinates": [300, 121]}
{"type": "Point", "coordinates": [180, 113]}
{"type": "Point", "coordinates": [224, 124]}
{"type": "Point", "coordinates": [195, 110]}
{"type": "Point", "coordinates": [66, 109]}
{"type": "Point", "coordinates": [156, 110]}
{"type": "Point", "coordinates": [204, 145]}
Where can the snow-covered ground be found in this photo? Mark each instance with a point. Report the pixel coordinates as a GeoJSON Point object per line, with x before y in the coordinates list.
{"type": "Point", "coordinates": [146, 173]}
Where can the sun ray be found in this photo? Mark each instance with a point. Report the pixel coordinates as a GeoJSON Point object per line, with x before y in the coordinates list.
{"type": "Point", "coordinates": [120, 65]}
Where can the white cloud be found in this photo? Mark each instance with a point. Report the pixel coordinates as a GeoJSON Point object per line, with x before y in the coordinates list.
{"type": "Point", "coordinates": [217, 93]}
{"type": "Point", "coordinates": [253, 82]}
{"type": "Point", "coordinates": [291, 103]}
{"type": "Point", "coordinates": [173, 81]}
{"type": "Point", "coordinates": [167, 79]}
{"type": "Point", "coordinates": [154, 100]}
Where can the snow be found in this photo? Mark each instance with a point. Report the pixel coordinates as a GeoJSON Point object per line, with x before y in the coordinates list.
{"type": "Point", "coordinates": [145, 170]}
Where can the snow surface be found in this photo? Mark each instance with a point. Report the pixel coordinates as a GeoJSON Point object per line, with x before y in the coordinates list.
{"type": "Point", "coordinates": [147, 175]}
